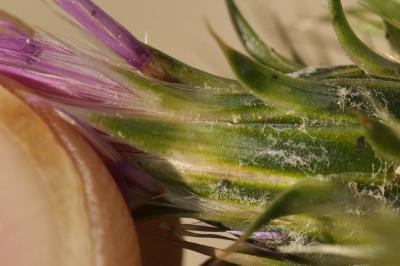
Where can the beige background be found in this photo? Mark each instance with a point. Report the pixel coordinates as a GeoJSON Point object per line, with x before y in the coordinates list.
{"type": "Point", "coordinates": [177, 27]}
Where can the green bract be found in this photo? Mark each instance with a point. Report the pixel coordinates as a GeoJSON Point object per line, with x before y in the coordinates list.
{"type": "Point", "coordinates": [281, 150]}
{"type": "Point", "coordinates": [225, 150]}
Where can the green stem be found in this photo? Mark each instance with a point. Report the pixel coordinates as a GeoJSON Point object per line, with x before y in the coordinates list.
{"type": "Point", "coordinates": [358, 52]}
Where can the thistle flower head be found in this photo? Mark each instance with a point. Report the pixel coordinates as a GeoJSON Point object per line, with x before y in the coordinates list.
{"type": "Point", "coordinates": [277, 155]}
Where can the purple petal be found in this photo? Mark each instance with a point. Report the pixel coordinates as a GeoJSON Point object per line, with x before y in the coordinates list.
{"type": "Point", "coordinates": [14, 24]}
{"type": "Point", "coordinates": [109, 31]}
{"type": "Point", "coordinates": [136, 177]}
{"type": "Point", "coordinates": [63, 91]}
{"type": "Point", "coordinates": [23, 45]}
{"type": "Point", "coordinates": [54, 72]}
{"type": "Point", "coordinates": [8, 26]}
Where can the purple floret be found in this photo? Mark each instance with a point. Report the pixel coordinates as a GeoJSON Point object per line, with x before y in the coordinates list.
{"type": "Point", "coordinates": [53, 71]}
{"type": "Point", "coordinates": [107, 30]}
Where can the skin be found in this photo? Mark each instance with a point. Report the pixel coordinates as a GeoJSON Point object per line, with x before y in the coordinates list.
{"type": "Point", "coordinates": [61, 206]}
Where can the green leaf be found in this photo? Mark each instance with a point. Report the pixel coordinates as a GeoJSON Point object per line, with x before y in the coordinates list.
{"type": "Point", "coordinates": [255, 46]}
{"type": "Point", "coordinates": [360, 53]}
{"type": "Point", "coordinates": [310, 197]}
{"type": "Point", "coordinates": [282, 90]}
{"type": "Point", "coordinates": [336, 97]}
{"type": "Point", "coordinates": [381, 247]}
{"type": "Point", "coordinates": [166, 68]}
{"type": "Point", "coordinates": [384, 138]}
{"type": "Point", "coordinates": [333, 254]}
{"type": "Point", "coordinates": [189, 102]}
{"type": "Point", "coordinates": [385, 233]}
{"type": "Point", "coordinates": [335, 72]}
{"type": "Point", "coordinates": [252, 151]}
{"type": "Point", "coordinates": [387, 10]}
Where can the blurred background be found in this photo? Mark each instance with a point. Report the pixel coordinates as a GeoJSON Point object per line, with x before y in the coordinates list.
{"type": "Point", "coordinates": [177, 27]}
